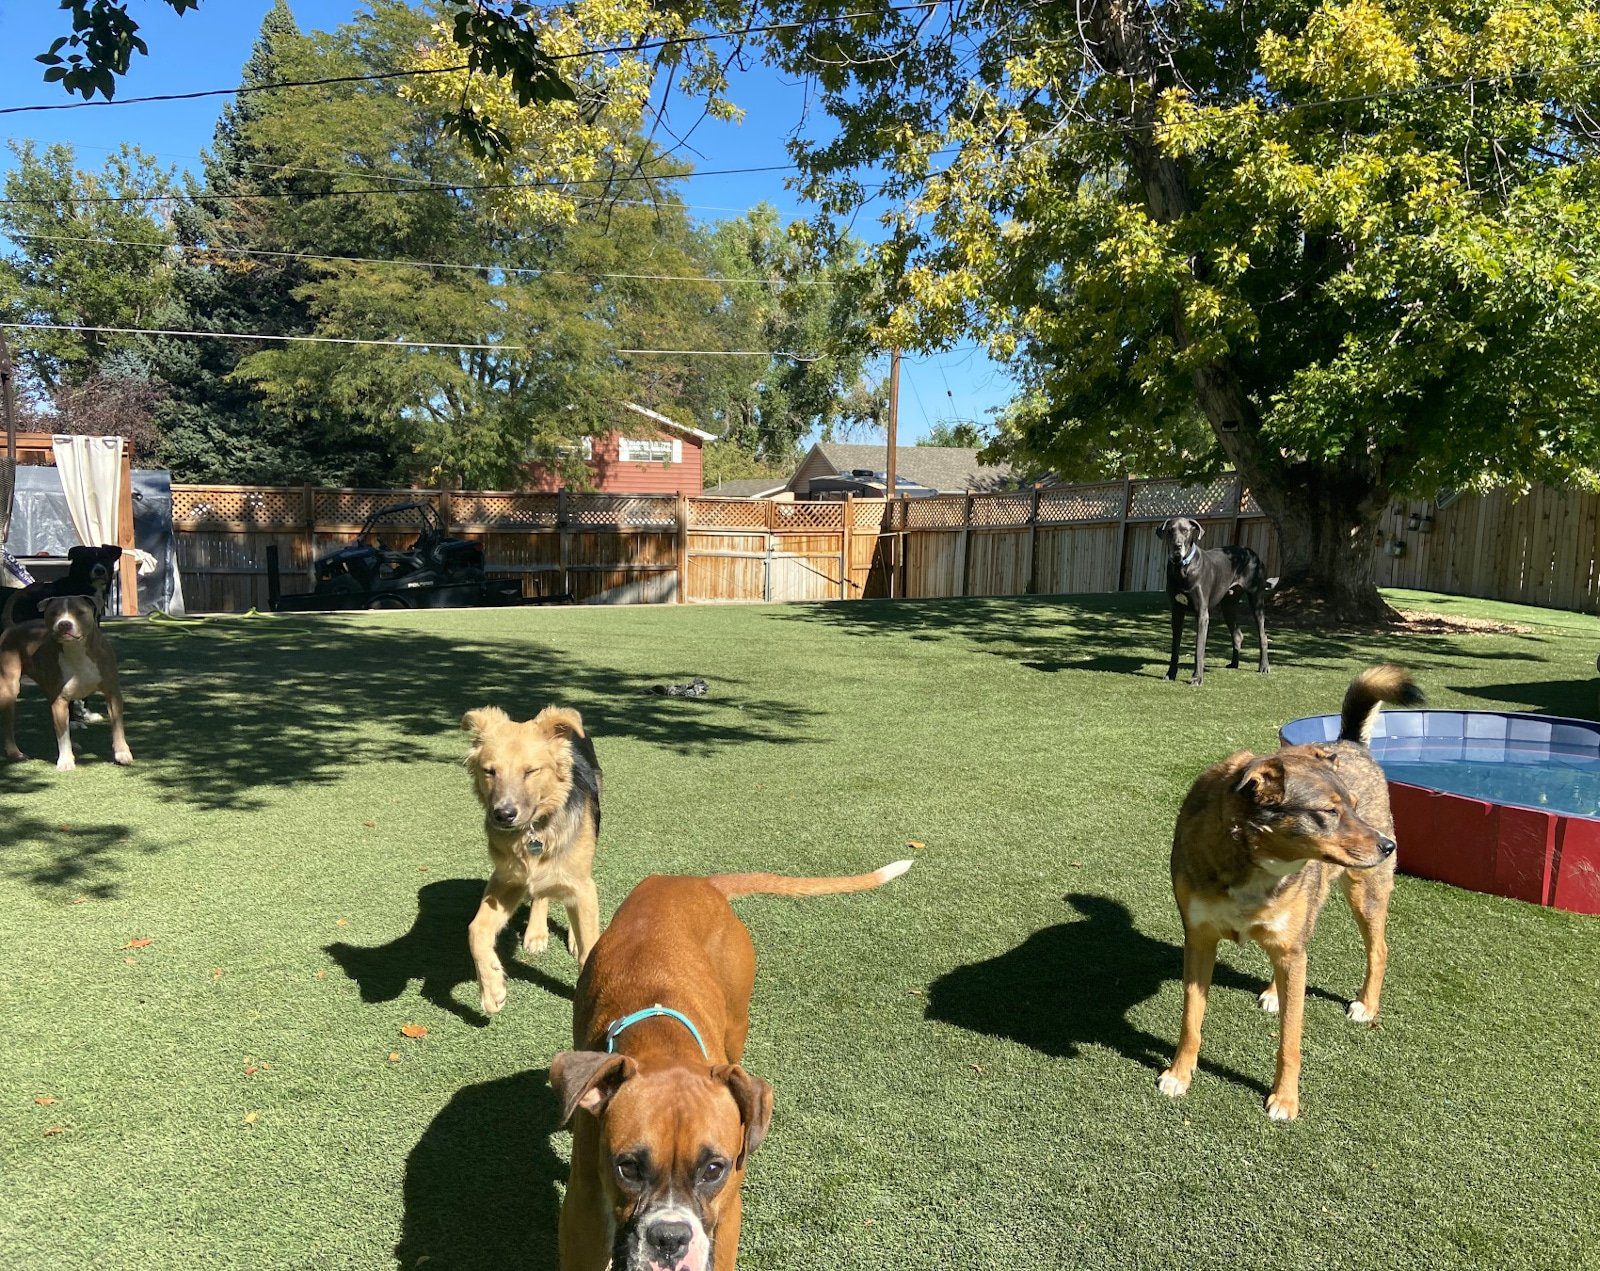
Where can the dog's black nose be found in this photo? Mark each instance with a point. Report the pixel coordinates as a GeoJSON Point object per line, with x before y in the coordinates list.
{"type": "Point", "coordinates": [505, 813]}
{"type": "Point", "coordinates": [1385, 846]}
{"type": "Point", "coordinates": [670, 1239]}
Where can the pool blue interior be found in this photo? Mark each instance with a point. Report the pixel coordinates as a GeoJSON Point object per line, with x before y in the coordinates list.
{"type": "Point", "coordinates": [1532, 761]}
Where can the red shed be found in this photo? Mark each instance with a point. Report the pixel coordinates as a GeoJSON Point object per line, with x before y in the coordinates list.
{"type": "Point", "coordinates": [646, 454]}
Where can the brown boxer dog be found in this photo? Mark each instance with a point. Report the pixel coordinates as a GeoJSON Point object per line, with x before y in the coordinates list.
{"type": "Point", "coordinates": [66, 655]}
{"type": "Point", "coordinates": [663, 1117]}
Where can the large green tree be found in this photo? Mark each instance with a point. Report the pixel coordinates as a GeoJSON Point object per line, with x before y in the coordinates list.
{"type": "Point", "coordinates": [1361, 236]}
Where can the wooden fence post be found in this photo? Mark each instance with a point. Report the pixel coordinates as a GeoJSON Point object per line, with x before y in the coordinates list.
{"type": "Point", "coordinates": [847, 545]}
{"type": "Point", "coordinates": [309, 512]}
{"type": "Point", "coordinates": [1122, 532]}
{"type": "Point", "coordinates": [683, 547]}
{"type": "Point", "coordinates": [964, 547]}
{"type": "Point", "coordinates": [562, 547]}
{"type": "Point", "coordinates": [1033, 545]}
{"type": "Point", "coordinates": [1238, 506]}
{"type": "Point", "coordinates": [445, 511]}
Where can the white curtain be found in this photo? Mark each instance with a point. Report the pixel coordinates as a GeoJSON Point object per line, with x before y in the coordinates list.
{"type": "Point", "coordinates": [91, 474]}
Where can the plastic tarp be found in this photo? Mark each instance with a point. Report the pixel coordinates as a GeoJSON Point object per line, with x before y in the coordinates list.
{"type": "Point", "coordinates": [41, 525]}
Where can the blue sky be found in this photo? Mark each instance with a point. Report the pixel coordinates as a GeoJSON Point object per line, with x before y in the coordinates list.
{"type": "Point", "coordinates": [205, 49]}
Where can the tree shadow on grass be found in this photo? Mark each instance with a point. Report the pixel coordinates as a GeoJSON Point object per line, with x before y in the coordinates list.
{"type": "Point", "coordinates": [481, 1183]}
{"type": "Point", "coordinates": [1128, 633]}
{"type": "Point", "coordinates": [435, 952]}
{"type": "Point", "coordinates": [57, 855]}
{"type": "Point", "coordinates": [1574, 697]}
{"type": "Point", "coordinates": [223, 712]}
{"type": "Point", "coordinates": [1072, 985]}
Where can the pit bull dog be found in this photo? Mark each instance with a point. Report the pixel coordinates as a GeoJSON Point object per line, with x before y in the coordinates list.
{"type": "Point", "coordinates": [90, 572]}
{"type": "Point", "coordinates": [1217, 578]}
{"type": "Point", "coordinates": [68, 657]}
{"type": "Point", "coordinates": [663, 1117]}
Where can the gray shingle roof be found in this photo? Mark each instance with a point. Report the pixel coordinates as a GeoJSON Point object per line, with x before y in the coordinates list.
{"type": "Point", "coordinates": [745, 487]}
{"type": "Point", "coordinates": [946, 468]}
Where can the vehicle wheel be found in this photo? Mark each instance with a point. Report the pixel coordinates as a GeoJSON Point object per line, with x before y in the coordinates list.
{"type": "Point", "coordinates": [388, 601]}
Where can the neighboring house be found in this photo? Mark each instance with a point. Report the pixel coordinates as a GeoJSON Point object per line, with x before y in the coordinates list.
{"type": "Point", "coordinates": [833, 469]}
{"type": "Point", "coordinates": [751, 488]}
{"type": "Point", "coordinates": [646, 453]}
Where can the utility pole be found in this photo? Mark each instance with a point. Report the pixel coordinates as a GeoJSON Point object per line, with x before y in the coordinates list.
{"type": "Point", "coordinates": [890, 487]}
{"type": "Point", "coordinates": [8, 460]}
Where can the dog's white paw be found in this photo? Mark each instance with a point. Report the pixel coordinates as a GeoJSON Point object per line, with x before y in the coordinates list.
{"type": "Point", "coordinates": [66, 764]}
{"type": "Point", "coordinates": [572, 944]}
{"type": "Point", "coordinates": [1283, 1107]}
{"type": "Point", "coordinates": [493, 997]}
{"type": "Point", "coordinates": [1172, 1085]}
{"type": "Point", "coordinates": [535, 942]}
{"type": "Point", "coordinates": [1267, 1000]}
{"type": "Point", "coordinates": [1359, 1014]}
{"type": "Point", "coordinates": [122, 757]}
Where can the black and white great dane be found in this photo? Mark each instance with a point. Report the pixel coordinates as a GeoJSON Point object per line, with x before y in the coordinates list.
{"type": "Point", "coordinates": [1213, 578]}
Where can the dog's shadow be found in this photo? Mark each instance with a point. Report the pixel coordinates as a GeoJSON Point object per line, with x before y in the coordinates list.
{"type": "Point", "coordinates": [1073, 985]}
{"type": "Point", "coordinates": [481, 1184]}
{"type": "Point", "coordinates": [435, 952]}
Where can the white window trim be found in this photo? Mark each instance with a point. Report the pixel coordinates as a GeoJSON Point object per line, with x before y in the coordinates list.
{"type": "Point", "coordinates": [626, 452]}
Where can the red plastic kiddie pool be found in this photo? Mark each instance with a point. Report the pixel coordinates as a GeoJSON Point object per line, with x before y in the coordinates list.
{"type": "Point", "coordinates": [1493, 801]}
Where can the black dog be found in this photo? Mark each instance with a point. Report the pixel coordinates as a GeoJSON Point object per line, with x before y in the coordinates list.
{"type": "Point", "coordinates": [89, 573]}
{"type": "Point", "coordinates": [1219, 578]}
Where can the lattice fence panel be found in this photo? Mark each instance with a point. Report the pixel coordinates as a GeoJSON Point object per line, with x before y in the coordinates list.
{"type": "Point", "coordinates": [1079, 503]}
{"type": "Point", "coordinates": [352, 507]}
{"type": "Point", "coordinates": [629, 511]}
{"type": "Point", "coordinates": [1157, 499]}
{"type": "Point", "coordinates": [525, 511]}
{"type": "Point", "coordinates": [808, 516]}
{"type": "Point", "coordinates": [265, 507]}
{"type": "Point", "coordinates": [731, 514]}
{"type": "Point", "coordinates": [868, 513]}
{"type": "Point", "coordinates": [990, 510]}
{"type": "Point", "coordinates": [1249, 506]}
{"type": "Point", "coordinates": [946, 512]}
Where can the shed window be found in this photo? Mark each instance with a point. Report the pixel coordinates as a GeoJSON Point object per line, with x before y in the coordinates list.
{"type": "Point", "coordinates": [635, 451]}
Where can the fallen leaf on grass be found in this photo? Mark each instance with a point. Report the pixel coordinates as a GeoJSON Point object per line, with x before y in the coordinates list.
{"type": "Point", "coordinates": [249, 1070]}
{"type": "Point", "coordinates": [413, 1030]}
{"type": "Point", "coordinates": [45, 1100]}
{"type": "Point", "coordinates": [977, 1068]}
{"type": "Point", "coordinates": [65, 829]}
{"type": "Point", "coordinates": [322, 974]}
{"type": "Point", "coordinates": [55, 1129]}
{"type": "Point", "coordinates": [422, 869]}
{"type": "Point", "coordinates": [250, 1118]}
{"type": "Point", "coordinates": [131, 961]}
{"type": "Point", "coordinates": [141, 943]}
{"type": "Point", "coordinates": [394, 1056]}
{"type": "Point", "coordinates": [371, 825]}
{"type": "Point", "coordinates": [216, 973]}
{"type": "Point", "coordinates": [914, 845]}
{"type": "Point", "coordinates": [342, 922]}
{"type": "Point", "coordinates": [81, 900]}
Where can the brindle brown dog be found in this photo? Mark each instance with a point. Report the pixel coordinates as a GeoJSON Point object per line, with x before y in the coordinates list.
{"type": "Point", "coordinates": [66, 655]}
{"type": "Point", "coordinates": [539, 784]}
{"type": "Point", "coordinates": [1259, 845]}
{"type": "Point", "coordinates": [663, 1117]}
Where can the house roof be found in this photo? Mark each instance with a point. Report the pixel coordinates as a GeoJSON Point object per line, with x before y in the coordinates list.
{"type": "Point", "coordinates": [944, 468]}
{"type": "Point", "coordinates": [656, 417]}
{"type": "Point", "coordinates": [746, 488]}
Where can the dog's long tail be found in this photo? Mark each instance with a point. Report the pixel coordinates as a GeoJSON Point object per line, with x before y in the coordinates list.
{"type": "Point", "coordinates": [735, 885]}
{"type": "Point", "coordinates": [1367, 694]}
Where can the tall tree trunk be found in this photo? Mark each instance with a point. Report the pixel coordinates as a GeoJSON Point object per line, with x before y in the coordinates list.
{"type": "Point", "coordinates": [1326, 515]}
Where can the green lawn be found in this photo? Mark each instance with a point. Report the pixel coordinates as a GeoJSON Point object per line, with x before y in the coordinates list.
{"type": "Point", "coordinates": [965, 1062]}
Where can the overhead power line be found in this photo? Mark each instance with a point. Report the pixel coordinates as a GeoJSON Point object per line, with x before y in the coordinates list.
{"type": "Point", "coordinates": [647, 46]}
{"type": "Point", "coordinates": [520, 271]}
{"type": "Point", "coordinates": [395, 343]}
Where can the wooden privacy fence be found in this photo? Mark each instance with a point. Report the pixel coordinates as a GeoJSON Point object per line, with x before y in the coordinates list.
{"type": "Point", "coordinates": [599, 548]}
{"type": "Point", "coordinates": [1541, 548]}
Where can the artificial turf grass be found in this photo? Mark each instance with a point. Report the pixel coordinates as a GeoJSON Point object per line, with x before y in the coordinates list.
{"type": "Point", "coordinates": [964, 1061]}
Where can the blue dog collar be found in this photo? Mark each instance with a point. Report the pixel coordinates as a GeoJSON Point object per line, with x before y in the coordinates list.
{"type": "Point", "coordinates": [1194, 551]}
{"type": "Point", "coordinates": [618, 1027]}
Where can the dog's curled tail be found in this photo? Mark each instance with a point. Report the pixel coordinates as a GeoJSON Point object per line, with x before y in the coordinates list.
{"type": "Point", "coordinates": [1368, 692]}
{"type": "Point", "coordinates": [735, 885]}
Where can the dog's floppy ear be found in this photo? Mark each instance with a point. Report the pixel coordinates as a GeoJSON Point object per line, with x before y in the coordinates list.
{"type": "Point", "coordinates": [1199, 531]}
{"type": "Point", "coordinates": [587, 1079]}
{"type": "Point", "coordinates": [483, 720]}
{"type": "Point", "coordinates": [1164, 530]}
{"type": "Point", "coordinates": [754, 1097]}
{"type": "Point", "coordinates": [1262, 782]}
{"type": "Point", "coordinates": [559, 721]}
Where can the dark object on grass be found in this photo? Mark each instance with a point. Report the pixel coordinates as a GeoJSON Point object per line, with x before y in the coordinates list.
{"type": "Point", "coordinates": [694, 688]}
{"type": "Point", "coordinates": [1228, 578]}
